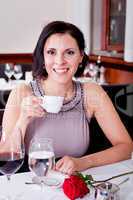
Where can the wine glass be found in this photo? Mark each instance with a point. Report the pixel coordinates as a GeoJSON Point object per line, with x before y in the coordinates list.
{"type": "Point", "coordinates": [18, 72]}
{"type": "Point", "coordinates": [42, 159]}
{"type": "Point", "coordinates": [11, 154]}
{"type": "Point", "coordinates": [93, 71]}
{"type": "Point", "coordinates": [9, 71]}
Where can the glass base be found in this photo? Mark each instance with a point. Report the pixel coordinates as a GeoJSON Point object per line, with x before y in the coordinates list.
{"type": "Point", "coordinates": [48, 181]}
{"type": "Point", "coordinates": [51, 182]}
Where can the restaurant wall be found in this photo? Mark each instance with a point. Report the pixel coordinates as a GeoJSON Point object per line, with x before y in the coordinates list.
{"type": "Point", "coordinates": [22, 21]}
{"type": "Point", "coordinates": [96, 25]}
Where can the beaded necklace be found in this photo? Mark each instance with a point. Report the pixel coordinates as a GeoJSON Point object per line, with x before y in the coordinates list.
{"type": "Point", "coordinates": [42, 93]}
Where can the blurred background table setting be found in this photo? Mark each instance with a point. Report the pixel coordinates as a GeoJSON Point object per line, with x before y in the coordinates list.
{"type": "Point", "coordinates": [13, 74]}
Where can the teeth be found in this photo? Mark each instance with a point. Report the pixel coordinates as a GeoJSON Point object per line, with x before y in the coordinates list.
{"type": "Point", "coordinates": [61, 70]}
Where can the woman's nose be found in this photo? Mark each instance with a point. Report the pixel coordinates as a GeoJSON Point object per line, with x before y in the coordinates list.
{"type": "Point", "coordinates": [59, 59]}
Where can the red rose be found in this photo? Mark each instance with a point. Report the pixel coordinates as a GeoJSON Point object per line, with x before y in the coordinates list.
{"type": "Point", "coordinates": [75, 187]}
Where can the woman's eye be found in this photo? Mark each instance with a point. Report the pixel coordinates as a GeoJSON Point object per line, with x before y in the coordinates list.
{"type": "Point", "coordinates": [70, 52]}
{"type": "Point", "coordinates": [51, 52]}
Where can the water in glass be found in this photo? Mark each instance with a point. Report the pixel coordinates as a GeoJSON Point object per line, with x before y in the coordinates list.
{"type": "Point", "coordinates": [41, 157]}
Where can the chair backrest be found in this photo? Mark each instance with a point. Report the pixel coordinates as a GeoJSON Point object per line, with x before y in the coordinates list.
{"type": "Point", "coordinates": [122, 98]}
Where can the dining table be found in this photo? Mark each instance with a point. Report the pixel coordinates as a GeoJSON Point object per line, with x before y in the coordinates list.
{"type": "Point", "coordinates": [18, 188]}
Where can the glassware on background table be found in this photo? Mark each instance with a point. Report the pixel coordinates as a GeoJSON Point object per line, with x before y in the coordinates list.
{"type": "Point", "coordinates": [42, 159]}
{"type": "Point", "coordinates": [11, 155]}
{"type": "Point", "coordinates": [93, 71]}
{"type": "Point", "coordinates": [18, 72]}
{"type": "Point", "coordinates": [9, 71]}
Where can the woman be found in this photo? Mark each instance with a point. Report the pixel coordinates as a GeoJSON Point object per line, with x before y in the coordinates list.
{"type": "Point", "coordinates": [59, 55]}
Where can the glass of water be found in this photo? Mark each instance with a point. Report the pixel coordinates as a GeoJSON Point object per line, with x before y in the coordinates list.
{"type": "Point", "coordinates": [41, 158]}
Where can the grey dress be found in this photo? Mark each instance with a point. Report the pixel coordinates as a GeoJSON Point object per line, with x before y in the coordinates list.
{"type": "Point", "coordinates": [69, 128]}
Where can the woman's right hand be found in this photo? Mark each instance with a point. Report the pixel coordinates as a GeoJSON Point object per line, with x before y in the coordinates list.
{"type": "Point", "coordinates": [31, 107]}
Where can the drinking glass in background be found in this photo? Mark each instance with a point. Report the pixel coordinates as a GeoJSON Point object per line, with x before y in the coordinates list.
{"type": "Point", "coordinates": [11, 156]}
{"type": "Point", "coordinates": [18, 72]}
{"type": "Point", "coordinates": [93, 71]}
{"type": "Point", "coordinates": [9, 71]}
{"type": "Point", "coordinates": [41, 158]}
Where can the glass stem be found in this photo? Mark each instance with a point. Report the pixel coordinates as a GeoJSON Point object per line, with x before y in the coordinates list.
{"type": "Point", "coordinates": [8, 197]}
{"type": "Point", "coordinates": [8, 177]}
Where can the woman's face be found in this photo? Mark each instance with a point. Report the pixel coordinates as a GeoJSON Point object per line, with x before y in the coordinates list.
{"type": "Point", "coordinates": [62, 57]}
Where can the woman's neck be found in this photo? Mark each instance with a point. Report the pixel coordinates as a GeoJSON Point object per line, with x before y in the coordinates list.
{"type": "Point", "coordinates": [58, 89]}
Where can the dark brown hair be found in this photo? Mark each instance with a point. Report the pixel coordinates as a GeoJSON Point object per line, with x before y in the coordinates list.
{"type": "Point", "coordinates": [50, 29]}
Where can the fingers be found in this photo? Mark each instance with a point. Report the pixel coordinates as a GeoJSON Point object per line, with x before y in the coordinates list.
{"type": "Point", "coordinates": [66, 165]}
{"type": "Point", "coordinates": [59, 164]}
{"type": "Point", "coordinates": [31, 107]}
{"type": "Point", "coordinates": [30, 100]}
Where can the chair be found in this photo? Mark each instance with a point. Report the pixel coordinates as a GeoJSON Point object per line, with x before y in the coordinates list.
{"type": "Point", "coordinates": [122, 98]}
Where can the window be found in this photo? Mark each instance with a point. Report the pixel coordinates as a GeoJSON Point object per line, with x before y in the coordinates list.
{"type": "Point", "coordinates": [113, 25]}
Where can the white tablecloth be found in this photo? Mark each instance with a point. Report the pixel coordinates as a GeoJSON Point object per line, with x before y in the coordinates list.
{"type": "Point", "coordinates": [18, 189]}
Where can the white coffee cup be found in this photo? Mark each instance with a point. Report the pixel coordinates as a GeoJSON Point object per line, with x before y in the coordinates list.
{"type": "Point", "coordinates": [52, 104]}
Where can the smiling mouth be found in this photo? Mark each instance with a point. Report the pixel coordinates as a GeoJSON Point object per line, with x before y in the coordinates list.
{"type": "Point", "coordinates": [60, 71]}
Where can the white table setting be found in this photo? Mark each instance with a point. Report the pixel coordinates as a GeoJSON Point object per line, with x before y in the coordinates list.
{"type": "Point", "coordinates": [20, 190]}
{"type": "Point", "coordinates": [42, 182]}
